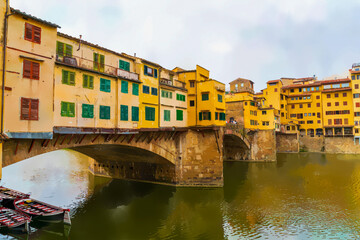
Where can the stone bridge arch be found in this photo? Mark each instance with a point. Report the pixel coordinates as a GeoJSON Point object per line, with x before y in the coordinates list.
{"type": "Point", "coordinates": [236, 145]}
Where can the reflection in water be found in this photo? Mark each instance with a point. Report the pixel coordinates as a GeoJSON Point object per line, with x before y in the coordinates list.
{"type": "Point", "coordinates": [301, 196]}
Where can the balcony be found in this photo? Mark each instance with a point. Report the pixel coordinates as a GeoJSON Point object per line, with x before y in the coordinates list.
{"type": "Point", "coordinates": [98, 67]}
{"type": "Point", "coordinates": [166, 81]}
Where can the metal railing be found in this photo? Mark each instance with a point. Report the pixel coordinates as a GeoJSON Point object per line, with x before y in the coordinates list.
{"type": "Point", "coordinates": [96, 66]}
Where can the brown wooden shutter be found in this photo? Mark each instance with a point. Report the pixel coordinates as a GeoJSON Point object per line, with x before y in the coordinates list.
{"type": "Point", "coordinates": [28, 32]}
{"type": "Point", "coordinates": [25, 109]}
{"type": "Point", "coordinates": [35, 71]}
{"type": "Point", "coordinates": [27, 69]}
{"type": "Point", "coordinates": [37, 34]}
{"type": "Point", "coordinates": [34, 110]}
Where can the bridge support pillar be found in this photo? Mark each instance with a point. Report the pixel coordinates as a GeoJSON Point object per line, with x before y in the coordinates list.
{"type": "Point", "coordinates": [200, 160]}
{"type": "Point", "coordinates": [263, 145]}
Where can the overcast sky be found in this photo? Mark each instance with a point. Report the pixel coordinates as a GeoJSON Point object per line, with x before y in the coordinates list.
{"type": "Point", "coordinates": [256, 39]}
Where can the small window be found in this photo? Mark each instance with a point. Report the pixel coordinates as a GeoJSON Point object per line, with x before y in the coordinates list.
{"type": "Point", "coordinates": [135, 89]}
{"type": "Point", "coordinates": [31, 70]}
{"type": "Point", "coordinates": [29, 109]}
{"type": "Point", "coordinates": [124, 86]}
{"type": "Point", "coordinates": [220, 99]}
{"type": "Point", "coordinates": [179, 115]}
{"type": "Point", "coordinates": [68, 78]}
{"type": "Point", "coordinates": [105, 85]}
{"type": "Point", "coordinates": [88, 81]}
{"type": "Point", "coordinates": [149, 113]}
{"type": "Point", "coordinates": [148, 71]}
{"type": "Point", "coordinates": [154, 91]}
{"type": "Point", "coordinates": [263, 112]}
{"type": "Point", "coordinates": [104, 112]}
{"type": "Point", "coordinates": [146, 89]}
{"type": "Point", "coordinates": [87, 111]}
{"type": "Point", "coordinates": [63, 49]}
{"type": "Point", "coordinates": [217, 115]}
{"type": "Point", "coordinates": [222, 116]}
{"type": "Point", "coordinates": [67, 109]}
{"type": "Point", "coordinates": [336, 95]}
{"type": "Point", "coordinates": [180, 97]}
{"type": "Point", "coordinates": [192, 84]}
{"type": "Point", "coordinates": [124, 113]}
{"type": "Point", "coordinates": [124, 65]}
{"type": "Point", "coordinates": [32, 33]}
{"type": "Point", "coordinates": [135, 114]}
{"type": "Point", "coordinates": [99, 62]}
{"type": "Point", "coordinates": [192, 103]}
{"type": "Point", "coordinates": [205, 97]}
{"type": "Point", "coordinates": [167, 115]}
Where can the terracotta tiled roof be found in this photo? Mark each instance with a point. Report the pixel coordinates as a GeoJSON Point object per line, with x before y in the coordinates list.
{"type": "Point", "coordinates": [241, 79]}
{"type": "Point", "coordinates": [337, 89]}
{"type": "Point", "coordinates": [342, 80]}
{"type": "Point", "coordinates": [300, 95]}
{"type": "Point", "coordinates": [17, 11]}
{"type": "Point", "coordinates": [273, 81]}
{"type": "Point", "coordinates": [302, 85]}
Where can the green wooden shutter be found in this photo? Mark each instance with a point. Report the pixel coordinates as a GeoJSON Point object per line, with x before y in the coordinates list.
{"type": "Point", "coordinates": [60, 48]}
{"type": "Point", "coordinates": [71, 109]}
{"type": "Point", "coordinates": [127, 66]}
{"type": "Point", "coordinates": [135, 89]}
{"type": "Point", "coordinates": [179, 115]}
{"type": "Point", "coordinates": [85, 111]}
{"type": "Point", "coordinates": [85, 81]}
{"type": "Point", "coordinates": [145, 70]}
{"type": "Point", "coordinates": [91, 82]}
{"type": "Point", "coordinates": [124, 86]}
{"type": "Point", "coordinates": [96, 61]}
{"type": "Point", "coordinates": [135, 114]}
{"type": "Point", "coordinates": [91, 111]}
{"type": "Point", "coordinates": [121, 64]}
{"type": "Point", "coordinates": [65, 77]}
{"type": "Point", "coordinates": [209, 114]}
{"type": "Point", "coordinates": [124, 113]}
{"type": "Point", "coordinates": [167, 115]}
{"type": "Point", "coordinates": [200, 116]}
{"type": "Point", "coordinates": [217, 116]}
{"type": "Point", "coordinates": [63, 109]}
{"type": "Point", "coordinates": [71, 78]}
{"type": "Point", "coordinates": [155, 73]}
{"type": "Point", "coordinates": [68, 50]}
{"type": "Point", "coordinates": [102, 63]}
{"type": "Point", "coordinates": [108, 86]}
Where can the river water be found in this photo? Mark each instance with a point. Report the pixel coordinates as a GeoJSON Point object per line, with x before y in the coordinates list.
{"type": "Point", "coordinates": [301, 196]}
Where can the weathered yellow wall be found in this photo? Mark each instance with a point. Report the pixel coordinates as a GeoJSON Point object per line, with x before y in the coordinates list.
{"type": "Point", "coordinates": [23, 87]}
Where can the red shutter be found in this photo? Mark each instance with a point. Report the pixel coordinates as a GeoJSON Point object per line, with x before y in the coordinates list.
{"type": "Point", "coordinates": [37, 34]}
{"type": "Point", "coordinates": [25, 109]}
{"type": "Point", "coordinates": [27, 69]}
{"type": "Point", "coordinates": [34, 111]}
{"type": "Point", "coordinates": [28, 32]}
{"type": "Point", "coordinates": [35, 70]}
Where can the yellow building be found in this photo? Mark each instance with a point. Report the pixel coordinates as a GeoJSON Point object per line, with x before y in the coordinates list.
{"type": "Point", "coordinates": [206, 97]}
{"type": "Point", "coordinates": [28, 109]}
{"type": "Point", "coordinates": [355, 77]}
{"type": "Point", "coordinates": [173, 104]}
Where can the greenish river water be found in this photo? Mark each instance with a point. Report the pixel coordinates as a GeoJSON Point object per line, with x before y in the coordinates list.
{"type": "Point", "coordinates": [301, 196]}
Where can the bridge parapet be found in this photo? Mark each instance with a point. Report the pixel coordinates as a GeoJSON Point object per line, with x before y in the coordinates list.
{"type": "Point", "coordinates": [239, 131]}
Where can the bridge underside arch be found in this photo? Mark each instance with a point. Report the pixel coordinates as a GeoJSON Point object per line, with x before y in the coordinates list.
{"type": "Point", "coordinates": [235, 148]}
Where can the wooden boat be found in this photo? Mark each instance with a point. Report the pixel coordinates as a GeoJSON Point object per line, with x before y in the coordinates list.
{"type": "Point", "coordinates": [13, 220]}
{"type": "Point", "coordinates": [41, 211]}
{"type": "Point", "coordinates": [7, 193]}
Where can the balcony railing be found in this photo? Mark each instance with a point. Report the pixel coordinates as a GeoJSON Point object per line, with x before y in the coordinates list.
{"type": "Point", "coordinates": [96, 66]}
{"type": "Point", "coordinates": [166, 81]}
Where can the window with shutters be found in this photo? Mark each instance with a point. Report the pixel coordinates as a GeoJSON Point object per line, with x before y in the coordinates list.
{"type": "Point", "coordinates": [222, 116]}
{"type": "Point", "coordinates": [192, 103]}
{"type": "Point", "coordinates": [179, 115]}
{"type": "Point", "coordinates": [68, 78]}
{"type": "Point", "coordinates": [88, 81]}
{"type": "Point", "coordinates": [146, 89]}
{"type": "Point", "coordinates": [206, 115]}
{"type": "Point", "coordinates": [220, 99]}
{"type": "Point", "coordinates": [104, 112]}
{"type": "Point", "coordinates": [217, 115]}
{"type": "Point", "coordinates": [149, 113]}
{"type": "Point", "coordinates": [152, 72]}
{"type": "Point", "coordinates": [31, 70]}
{"type": "Point", "coordinates": [167, 115]}
{"type": "Point", "coordinates": [154, 91]}
{"type": "Point", "coordinates": [67, 109]}
{"type": "Point", "coordinates": [29, 109]}
{"type": "Point", "coordinates": [180, 97]}
{"type": "Point", "coordinates": [124, 86]}
{"type": "Point", "coordinates": [87, 111]}
{"type": "Point", "coordinates": [124, 65]}
{"type": "Point", "coordinates": [166, 94]}
{"type": "Point", "coordinates": [32, 33]}
{"type": "Point", "coordinates": [205, 96]}
{"type": "Point", "coordinates": [192, 84]}
{"type": "Point", "coordinates": [124, 113]}
{"type": "Point", "coordinates": [135, 114]}
{"type": "Point", "coordinates": [99, 62]}
{"type": "Point", "coordinates": [135, 89]}
{"type": "Point", "coordinates": [105, 85]}
{"type": "Point", "coordinates": [63, 49]}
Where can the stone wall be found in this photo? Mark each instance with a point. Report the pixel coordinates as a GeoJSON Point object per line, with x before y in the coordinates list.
{"type": "Point", "coordinates": [235, 110]}
{"type": "Point", "coordinates": [311, 144]}
{"type": "Point", "coordinates": [200, 158]}
{"type": "Point", "coordinates": [341, 145]}
{"type": "Point", "coordinates": [263, 145]}
{"type": "Point", "coordinates": [287, 142]}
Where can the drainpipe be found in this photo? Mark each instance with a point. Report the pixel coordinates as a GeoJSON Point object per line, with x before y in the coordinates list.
{"type": "Point", "coordinates": [3, 67]}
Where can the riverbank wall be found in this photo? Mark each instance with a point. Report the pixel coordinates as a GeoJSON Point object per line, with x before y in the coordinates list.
{"type": "Point", "coordinates": [328, 144]}
{"type": "Point", "coordinates": [287, 142]}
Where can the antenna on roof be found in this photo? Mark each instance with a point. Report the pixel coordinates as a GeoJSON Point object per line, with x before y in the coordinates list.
{"type": "Point", "coordinates": [79, 43]}
{"type": "Point", "coordinates": [134, 54]}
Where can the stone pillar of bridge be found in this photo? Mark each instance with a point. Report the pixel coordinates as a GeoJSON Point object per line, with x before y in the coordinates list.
{"type": "Point", "coordinates": [200, 158]}
{"type": "Point", "coordinates": [263, 145]}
